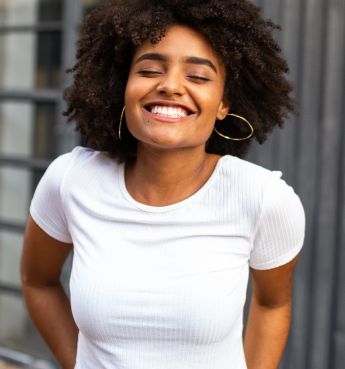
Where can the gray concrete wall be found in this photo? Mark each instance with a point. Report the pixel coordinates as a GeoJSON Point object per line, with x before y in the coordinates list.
{"type": "Point", "coordinates": [310, 151]}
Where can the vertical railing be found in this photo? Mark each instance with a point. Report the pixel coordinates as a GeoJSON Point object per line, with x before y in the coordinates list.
{"type": "Point", "coordinates": [72, 13]}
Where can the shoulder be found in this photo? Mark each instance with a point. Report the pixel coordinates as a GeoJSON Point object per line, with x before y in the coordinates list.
{"type": "Point", "coordinates": [249, 176]}
{"type": "Point", "coordinates": [78, 165]}
{"type": "Point", "coordinates": [249, 171]}
{"type": "Point", "coordinates": [89, 172]}
{"type": "Point", "coordinates": [273, 189]}
{"type": "Point", "coordinates": [79, 156]}
{"type": "Point", "coordinates": [62, 162]}
{"type": "Point", "coordinates": [80, 159]}
{"type": "Point", "coordinates": [259, 191]}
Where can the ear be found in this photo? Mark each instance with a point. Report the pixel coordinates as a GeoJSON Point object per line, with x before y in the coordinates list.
{"type": "Point", "coordinates": [223, 109]}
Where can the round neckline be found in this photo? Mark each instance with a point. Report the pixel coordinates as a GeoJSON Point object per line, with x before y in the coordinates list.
{"type": "Point", "coordinates": [165, 208]}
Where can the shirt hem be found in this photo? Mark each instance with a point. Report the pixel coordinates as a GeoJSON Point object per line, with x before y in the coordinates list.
{"type": "Point", "coordinates": [46, 228]}
{"type": "Point", "coordinates": [284, 259]}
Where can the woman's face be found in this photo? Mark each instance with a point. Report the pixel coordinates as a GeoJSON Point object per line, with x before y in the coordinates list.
{"type": "Point", "coordinates": [174, 91]}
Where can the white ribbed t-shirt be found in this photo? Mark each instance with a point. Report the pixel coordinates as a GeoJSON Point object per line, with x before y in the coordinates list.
{"type": "Point", "coordinates": [164, 287]}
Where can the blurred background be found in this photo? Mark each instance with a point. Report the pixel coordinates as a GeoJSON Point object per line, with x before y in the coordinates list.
{"type": "Point", "coordinates": [37, 39]}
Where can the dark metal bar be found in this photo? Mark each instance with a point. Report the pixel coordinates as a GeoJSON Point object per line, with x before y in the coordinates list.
{"type": "Point", "coordinates": [319, 283]}
{"type": "Point", "coordinates": [44, 95]}
{"type": "Point", "coordinates": [10, 289]}
{"type": "Point", "coordinates": [12, 226]}
{"type": "Point", "coordinates": [72, 14]}
{"type": "Point", "coordinates": [337, 330]}
{"type": "Point", "coordinates": [21, 162]}
{"type": "Point", "coordinates": [42, 27]}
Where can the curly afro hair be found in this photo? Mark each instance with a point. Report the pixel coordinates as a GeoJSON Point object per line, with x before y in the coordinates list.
{"type": "Point", "coordinates": [256, 83]}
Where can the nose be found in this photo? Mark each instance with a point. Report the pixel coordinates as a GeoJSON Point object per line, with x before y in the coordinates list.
{"type": "Point", "coordinates": [171, 84]}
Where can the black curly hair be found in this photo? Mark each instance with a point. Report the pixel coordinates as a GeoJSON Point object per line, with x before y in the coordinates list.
{"type": "Point", "coordinates": [256, 83]}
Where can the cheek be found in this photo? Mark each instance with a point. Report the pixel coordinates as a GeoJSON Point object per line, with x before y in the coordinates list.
{"type": "Point", "coordinates": [137, 124]}
{"type": "Point", "coordinates": [211, 98]}
{"type": "Point", "coordinates": [137, 87]}
{"type": "Point", "coordinates": [133, 94]}
{"type": "Point", "coordinates": [130, 92]}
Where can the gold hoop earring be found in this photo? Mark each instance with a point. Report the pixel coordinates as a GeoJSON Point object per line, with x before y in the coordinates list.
{"type": "Point", "coordinates": [120, 125]}
{"type": "Point", "coordinates": [237, 139]}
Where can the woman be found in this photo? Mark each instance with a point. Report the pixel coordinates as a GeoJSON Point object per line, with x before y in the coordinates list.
{"type": "Point", "coordinates": [165, 217]}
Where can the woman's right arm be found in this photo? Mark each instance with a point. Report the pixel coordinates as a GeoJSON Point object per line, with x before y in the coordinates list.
{"type": "Point", "coordinates": [49, 307]}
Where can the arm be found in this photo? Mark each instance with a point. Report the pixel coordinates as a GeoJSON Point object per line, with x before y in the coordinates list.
{"type": "Point", "coordinates": [269, 316]}
{"type": "Point", "coordinates": [48, 305]}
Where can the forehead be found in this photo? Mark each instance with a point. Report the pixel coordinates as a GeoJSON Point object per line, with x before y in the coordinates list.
{"type": "Point", "coordinates": [181, 41]}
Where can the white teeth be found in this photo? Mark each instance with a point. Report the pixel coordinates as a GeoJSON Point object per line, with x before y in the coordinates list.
{"type": "Point", "coordinates": [169, 111]}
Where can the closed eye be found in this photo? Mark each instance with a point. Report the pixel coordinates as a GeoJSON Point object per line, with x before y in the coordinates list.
{"type": "Point", "coordinates": [149, 73]}
{"type": "Point", "coordinates": [153, 73]}
{"type": "Point", "coordinates": [199, 78]}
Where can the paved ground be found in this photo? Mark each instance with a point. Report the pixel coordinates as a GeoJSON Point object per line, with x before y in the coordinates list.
{"type": "Point", "coordinates": [38, 364]}
{"type": "Point", "coordinates": [3, 365]}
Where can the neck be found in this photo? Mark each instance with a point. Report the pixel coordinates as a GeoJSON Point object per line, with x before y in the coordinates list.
{"type": "Point", "coordinates": [163, 177]}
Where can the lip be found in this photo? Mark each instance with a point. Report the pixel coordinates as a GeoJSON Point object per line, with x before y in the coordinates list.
{"type": "Point", "coordinates": [161, 118]}
{"type": "Point", "coordinates": [171, 103]}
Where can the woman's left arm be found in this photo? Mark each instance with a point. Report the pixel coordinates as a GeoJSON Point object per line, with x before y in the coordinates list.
{"type": "Point", "coordinates": [269, 318]}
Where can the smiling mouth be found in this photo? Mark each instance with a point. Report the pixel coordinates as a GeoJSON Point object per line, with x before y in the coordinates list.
{"type": "Point", "coordinates": [173, 112]}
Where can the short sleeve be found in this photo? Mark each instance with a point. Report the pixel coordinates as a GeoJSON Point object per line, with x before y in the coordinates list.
{"type": "Point", "coordinates": [280, 231]}
{"type": "Point", "coordinates": [46, 206]}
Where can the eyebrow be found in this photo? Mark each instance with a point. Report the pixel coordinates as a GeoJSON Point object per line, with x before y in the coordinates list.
{"type": "Point", "coordinates": [187, 60]}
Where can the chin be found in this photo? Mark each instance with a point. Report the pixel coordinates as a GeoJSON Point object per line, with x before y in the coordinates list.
{"type": "Point", "coordinates": [167, 139]}
{"type": "Point", "coordinates": [166, 144]}
{"type": "Point", "coordinates": [164, 140]}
